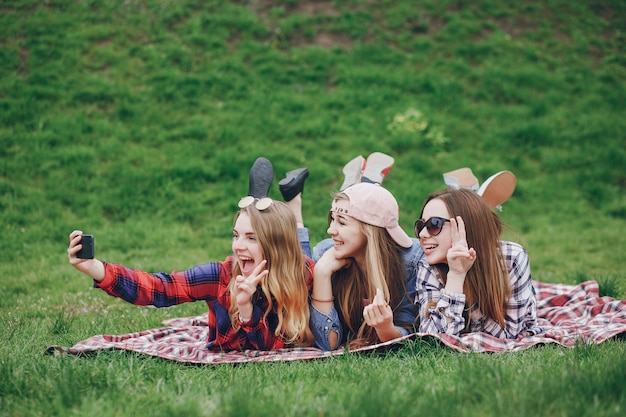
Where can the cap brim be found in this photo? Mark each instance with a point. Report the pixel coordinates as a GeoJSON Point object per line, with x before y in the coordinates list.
{"type": "Point", "coordinates": [400, 237]}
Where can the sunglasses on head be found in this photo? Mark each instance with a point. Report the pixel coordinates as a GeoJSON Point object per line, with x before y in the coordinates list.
{"type": "Point", "coordinates": [260, 204]}
{"type": "Point", "coordinates": [433, 225]}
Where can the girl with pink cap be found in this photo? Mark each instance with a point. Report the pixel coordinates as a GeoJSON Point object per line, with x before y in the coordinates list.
{"type": "Point", "coordinates": [360, 293]}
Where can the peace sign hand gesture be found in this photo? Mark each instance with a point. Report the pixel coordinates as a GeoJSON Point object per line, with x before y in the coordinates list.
{"type": "Point", "coordinates": [460, 257]}
{"type": "Point", "coordinates": [245, 287]}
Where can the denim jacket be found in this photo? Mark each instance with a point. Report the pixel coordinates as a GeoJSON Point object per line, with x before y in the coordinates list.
{"type": "Point", "coordinates": [322, 324]}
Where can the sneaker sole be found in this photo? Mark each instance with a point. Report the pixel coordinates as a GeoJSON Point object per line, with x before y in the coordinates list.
{"type": "Point", "coordinates": [261, 177]}
{"type": "Point", "coordinates": [498, 188]}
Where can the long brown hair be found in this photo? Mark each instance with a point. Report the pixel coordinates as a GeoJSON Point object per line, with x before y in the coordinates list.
{"type": "Point", "coordinates": [487, 281]}
{"type": "Point", "coordinates": [353, 286]}
{"type": "Point", "coordinates": [285, 287]}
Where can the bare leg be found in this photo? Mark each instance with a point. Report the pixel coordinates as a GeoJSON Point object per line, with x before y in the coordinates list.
{"type": "Point", "coordinates": [295, 204]}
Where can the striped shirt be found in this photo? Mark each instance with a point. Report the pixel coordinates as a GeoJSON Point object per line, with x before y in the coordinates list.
{"type": "Point", "coordinates": [446, 316]}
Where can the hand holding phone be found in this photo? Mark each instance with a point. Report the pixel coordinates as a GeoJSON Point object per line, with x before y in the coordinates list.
{"type": "Point", "coordinates": [87, 251]}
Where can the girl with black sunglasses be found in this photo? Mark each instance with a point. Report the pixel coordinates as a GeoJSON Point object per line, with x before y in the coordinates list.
{"type": "Point", "coordinates": [469, 280]}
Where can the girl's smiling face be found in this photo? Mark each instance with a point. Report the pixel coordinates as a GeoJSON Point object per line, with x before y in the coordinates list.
{"type": "Point", "coordinates": [436, 247]}
{"type": "Point", "coordinates": [350, 242]}
{"type": "Point", "coordinates": [245, 245]}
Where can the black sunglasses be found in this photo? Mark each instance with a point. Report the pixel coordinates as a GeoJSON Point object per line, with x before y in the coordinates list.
{"type": "Point", "coordinates": [433, 225]}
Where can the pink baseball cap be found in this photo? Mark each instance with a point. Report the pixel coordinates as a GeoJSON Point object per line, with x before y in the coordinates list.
{"type": "Point", "coordinates": [373, 204]}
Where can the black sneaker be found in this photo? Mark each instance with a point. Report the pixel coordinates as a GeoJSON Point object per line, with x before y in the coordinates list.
{"type": "Point", "coordinates": [293, 183]}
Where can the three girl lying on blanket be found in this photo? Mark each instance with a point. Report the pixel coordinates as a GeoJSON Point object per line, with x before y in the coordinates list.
{"type": "Point", "coordinates": [366, 284]}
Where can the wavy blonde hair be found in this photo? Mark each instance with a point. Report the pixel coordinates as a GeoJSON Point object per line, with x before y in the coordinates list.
{"type": "Point", "coordinates": [383, 268]}
{"type": "Point", "coordinates": [487, 281]}
{"type": "Point", "coordinates": [285, 287]}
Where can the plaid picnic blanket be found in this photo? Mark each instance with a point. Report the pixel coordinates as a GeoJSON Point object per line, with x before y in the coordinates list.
{"type": "Point", "coordinates": [569, 314]}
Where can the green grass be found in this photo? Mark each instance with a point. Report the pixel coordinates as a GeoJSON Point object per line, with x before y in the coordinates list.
{"type": "Point", "coordinates": [139, 121]}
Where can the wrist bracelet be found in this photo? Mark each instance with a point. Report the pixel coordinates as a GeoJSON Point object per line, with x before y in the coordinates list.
{"type": "Point", "coordinates": [323, 301]}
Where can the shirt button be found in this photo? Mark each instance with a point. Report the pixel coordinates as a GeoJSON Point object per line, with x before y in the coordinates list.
{"type": "Point", "coordinates": [327, 320]}
{"type": "Point", "coordinates": [325, 327]}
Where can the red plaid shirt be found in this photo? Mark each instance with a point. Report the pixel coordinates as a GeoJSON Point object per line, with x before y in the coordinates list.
{"type": "Point", "coordinates": [208, 282]}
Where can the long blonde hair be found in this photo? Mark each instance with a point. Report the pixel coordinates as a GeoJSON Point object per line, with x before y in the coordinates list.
{"type": "Point", "coordinates": [487, 281]}
{"type": "Point", "coordinates": [285, 287]}
{"type": "Point", "coordinates": [383, 268]}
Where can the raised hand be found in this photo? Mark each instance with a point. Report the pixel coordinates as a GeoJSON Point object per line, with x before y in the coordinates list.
{"type": "Point", "coordinates": [92, 267]}
{"type": "Point", "coordinates": [74, 247]}
{"type": "Point", "coordinates": [379, 315]}
{"type": "Point", "coordinates": [245, 287]}
{"type": "Point", "coordinates": [460, 257]}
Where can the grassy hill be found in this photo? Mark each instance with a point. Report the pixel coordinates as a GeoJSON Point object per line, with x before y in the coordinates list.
{"type": "Point", "coordinates": [138, 121]}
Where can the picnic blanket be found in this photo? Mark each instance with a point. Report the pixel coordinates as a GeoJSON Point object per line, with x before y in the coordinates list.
{"type": "Point", "coordinates": [569, 314]}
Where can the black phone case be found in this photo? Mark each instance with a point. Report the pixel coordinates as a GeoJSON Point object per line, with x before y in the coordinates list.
{"type": "Point", "coordinates": [87, 251]}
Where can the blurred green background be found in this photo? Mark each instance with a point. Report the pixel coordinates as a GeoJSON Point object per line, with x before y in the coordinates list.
{"type": "Point", "coordinates": [138, 121]}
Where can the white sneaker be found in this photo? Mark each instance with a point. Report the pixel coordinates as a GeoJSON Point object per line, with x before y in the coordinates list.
{"type": "Point", "coordinates": [461, 178]}
{"type": "Point", "coordinates": [352, 172]}
{"type": "Point", "coordinates": [377, 167]}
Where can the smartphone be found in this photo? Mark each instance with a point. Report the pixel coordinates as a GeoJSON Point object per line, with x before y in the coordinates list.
{"type": "Point", "coordinates": [87, 251]}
